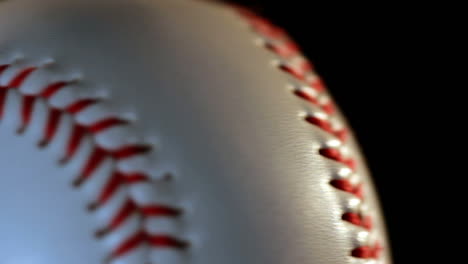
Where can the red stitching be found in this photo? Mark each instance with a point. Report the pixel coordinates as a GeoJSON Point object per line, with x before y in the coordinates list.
{"type": "Point", "coordinates": [358, 219]}
{"type": "Point", "coordinates": [286, 49]}
{"type": "Point", "coordinates": [368, 252]}
{"type": "Point", "coordinates": [52, 89]}
{"type": "Point", "coordinates": [299, 71]}
{"type": "Point", "coordinates": [19, 79]}
{"type": "Point", "coordinates": [27, 109]}
{"type": "Point", "coordinates": [279, 43]}
{"type": "Point", "coordinates": [342, 134]}
{"type": "Point", "coordinates": [347, 186]}
{"type": "Point", "coordinates": [158, 241]}
{"type": "Point", "coordinates": [337, 155]}
{"type": "Point", "coordinates": [118, 180]}
{"type": "Point", "coordinates": [328, 107]}
{"type": "Point", "coordinates": [2, 100]}
{"type": "Point", "coordinates": [318, 85]}
{"type": "Point", "coordinates": [81, 105]}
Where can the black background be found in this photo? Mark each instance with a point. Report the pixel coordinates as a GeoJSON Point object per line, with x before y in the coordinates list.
{"type": "Point", "coordinates": [370, 59]}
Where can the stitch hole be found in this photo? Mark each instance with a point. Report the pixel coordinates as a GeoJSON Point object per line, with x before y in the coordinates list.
{"type": "Point", "coordinates": [167, 177]}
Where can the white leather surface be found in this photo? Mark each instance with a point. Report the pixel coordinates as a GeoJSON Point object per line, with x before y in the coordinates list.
{"type": "Point", "coordinates": [247, 169]}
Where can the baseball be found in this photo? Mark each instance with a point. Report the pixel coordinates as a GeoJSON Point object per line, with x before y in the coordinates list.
{"type": "Point", "coordinates": [172, 132]}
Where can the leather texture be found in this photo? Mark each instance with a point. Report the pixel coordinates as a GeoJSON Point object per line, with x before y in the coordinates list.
{"type": "Point", "coordinates": [223, 121]}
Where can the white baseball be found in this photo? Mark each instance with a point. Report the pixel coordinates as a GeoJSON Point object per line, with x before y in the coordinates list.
{"type": "Point", "coordinates": [170, 132]}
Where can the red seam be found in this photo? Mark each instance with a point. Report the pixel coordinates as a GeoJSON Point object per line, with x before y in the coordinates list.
{"type": "Point", "coordinates": [95, 159]}
{"type": "Point", "coordinates": [280, 44]}
{"type": "Point", "coordinates": [27, 109]}
{"type": "Point", "coordinates": [327, 126]}
{"type": "Point", "coordinates": [368, 252]}
{"type": "Point", "coordinates": [117, 180]}
{"type": "Point", "coordinates": [3, 94]}
{"type": "Point", "coordinates": [347, 186]}
{"type": "Point", "coordinates": [286, 49]}
{"type": "Point", "coordinates": [318, 85]}
{"type": "Point", "coordinates": [337, 155]}
{"type": "Point", "coordinates": [19, 78]}
{"type": "Point", "coordinates": [80, 105]}
{"type": "Point", "coordinates": [358, 220]}
{"type": "Point", "coordinates": [52, 89]}
{"type": "Point", "coordinates": [106, 124]}
{"type": "Point", "coordinates": [299, 71]}
{"type": "Point", "coordinates": [158, 241]}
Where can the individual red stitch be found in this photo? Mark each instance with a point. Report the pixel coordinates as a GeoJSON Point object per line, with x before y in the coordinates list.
{"type": "Point", "coordinates": [123, 214]}
{"type": "Point", "coordinates": [134, 177]}
{"type": "Point", "coordinates": [3, 90]}
{"type": "Point", "coordinates": [26, 111]}
{"type": "Point", "coordinates": [336, 155]}
{"type": "Point", "coordinates": [3, 94]}
{"type": "Point", "coordinates": [317, 84]}
{"type": "Point", "coordinates": [367, 252]}
{"type": "Point", "coordinates": [95, 159]}
{"type": "Point", "coordinates": [358, 219]}
{"type": "Point", "coordinates": [327, 126]}
{"type": "Point", "coordinates": [298, 71]}
{"type": "Point", "coordinates": [3, 67]}
{"type": "Point", "coordinates": [347, 186]}
{"type": "Point", "coordinates": [285, 49]}
{"type": "Point", "coordinates": [105, 124]}
{"type": "Point", "coordinates": [165, 241]}
{"type": "Point", "coordinates": [19, 79]}
{"type": "Point", "coordinates": [306, 96]}
{"type": "Point", "coordinates": [77, 135]}
{"type": "Point", "coordinates": [130, 151]}
{"type": "Point", "coordinates": [342, 134]}
{"type": "Point", "coordinates": [52, 89]}
{"type": "Point", "coordinates": [322, 123]}
{"type": "Point", "coordinates": [328, 108]}
{"type": "Point", "coordinates": [50, 129]}
{"type": "Point", "coordinates": [156, 241]}
{"type": "Point", "coordinates": [160, 210]}
{"type": "Point", "coordinates": [80, 105]}
{"type": "Point", "coordinates": [129, 245]}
